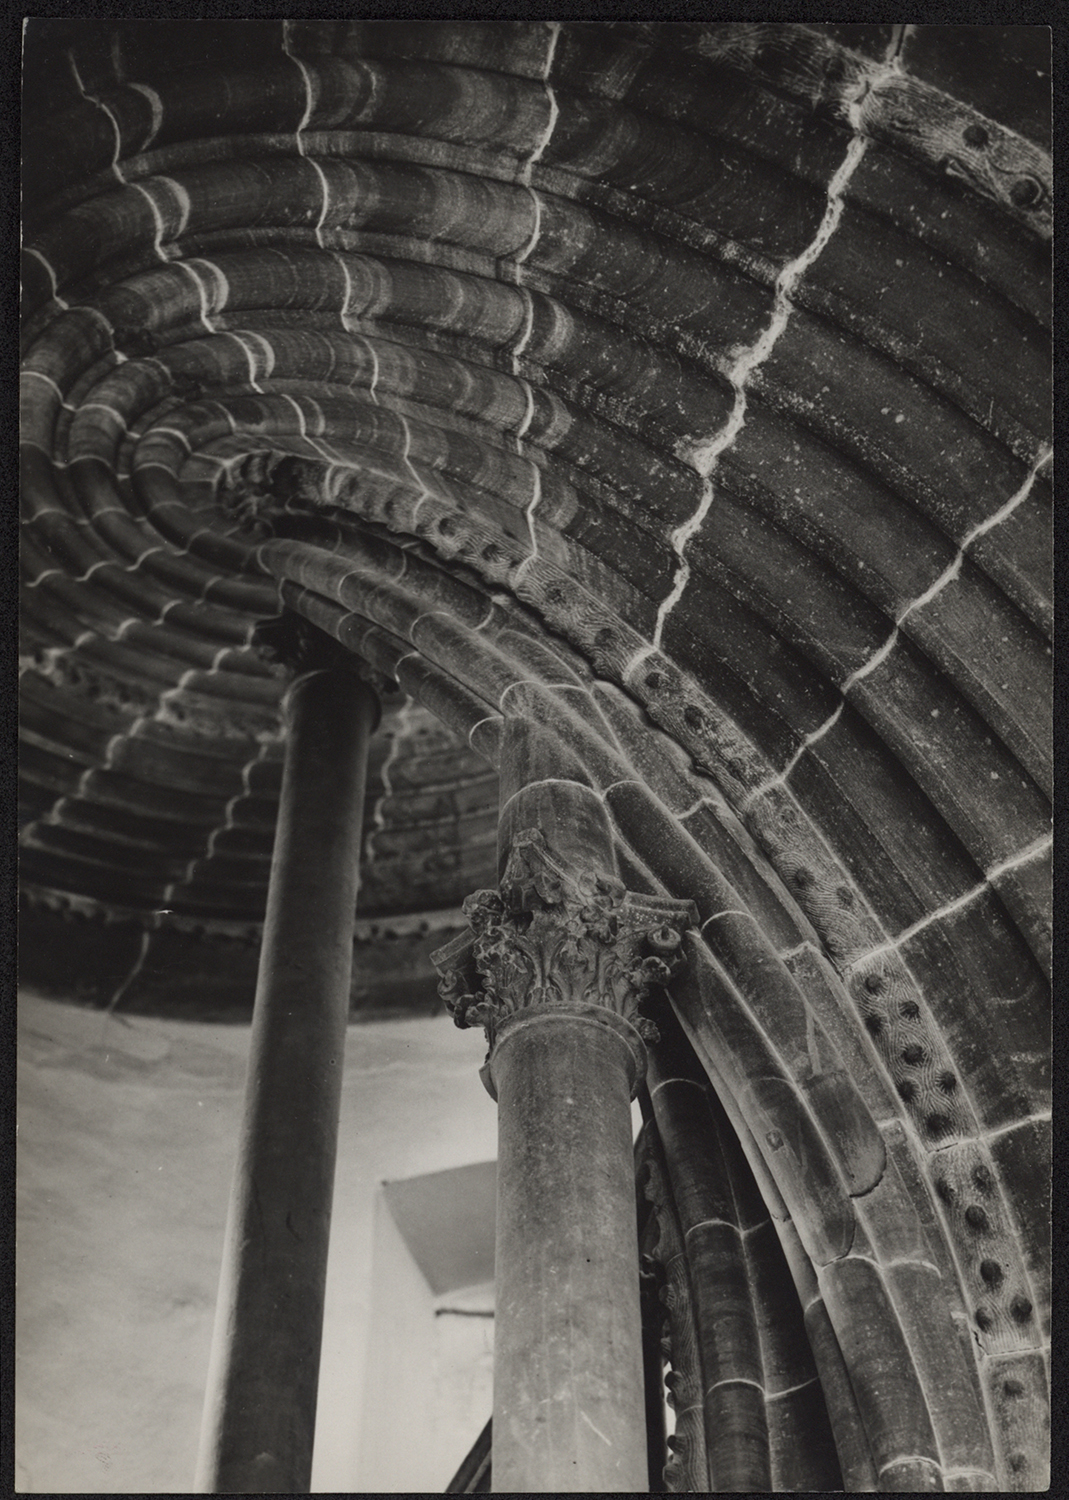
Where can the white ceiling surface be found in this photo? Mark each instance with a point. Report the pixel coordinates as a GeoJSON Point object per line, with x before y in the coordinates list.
{"type": "Point", "coordinates": [127, 1130]}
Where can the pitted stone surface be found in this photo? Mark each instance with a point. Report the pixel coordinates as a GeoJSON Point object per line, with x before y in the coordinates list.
{"type": "Point", "coordinates": [682, 390]}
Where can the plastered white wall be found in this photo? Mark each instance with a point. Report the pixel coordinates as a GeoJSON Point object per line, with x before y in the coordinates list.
{"type": "Point", "coordinates": [126, 1141]}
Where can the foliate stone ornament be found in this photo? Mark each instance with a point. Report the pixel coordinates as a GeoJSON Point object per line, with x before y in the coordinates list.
{"type": "Point", "coordinates": [291, 641]}
{"type": "Point", "coordinates": [686, 1468]}
{"type": "Point", "coordinates": [558, 936]}
{"type": "Point", "coordinates": [265, 490]}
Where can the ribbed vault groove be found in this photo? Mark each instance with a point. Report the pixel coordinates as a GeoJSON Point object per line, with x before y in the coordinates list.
{"type": "Point", "coordinates": [682, 391]}
{"type": "Point", "coordinates": [760, 1052]}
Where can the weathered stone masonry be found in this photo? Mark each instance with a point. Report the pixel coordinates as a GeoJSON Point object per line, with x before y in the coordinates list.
{"type": "Point", "coordinates": [664, 409]}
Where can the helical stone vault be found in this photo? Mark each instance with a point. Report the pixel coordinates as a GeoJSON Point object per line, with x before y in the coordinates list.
{"type": "Point", "coordinates": [679, 394]}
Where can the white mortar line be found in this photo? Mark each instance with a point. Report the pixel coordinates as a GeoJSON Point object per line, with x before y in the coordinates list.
{"type": "Point", "coordinates": [780, 779]}
{"type": "Point", "coordinates": [525, 332]}
{"type": "Point", "coordinates": [266, 345]}
{"type": "Point", "coordinates": [111, 749]}
{"type": "Point", "coordinates": [228, 812]}
{"type": "Point", "coordinates": [114, 164]}
{"type": "Point", "coordinates": [1041, 1117]}
{"type": "Point", "coordinates": [425, 493]}
{"type": "Point", "coordinates": [301, 425]}
{"type": "Point", "coordinates": [1043, 458]}
{"type": "Point", "coordinates": [949, 573]}
{"type": "Point", "coordinates": [333, 479]}
{"type": "Point", "coordinates": [174, 432]}
{"type": "Point", "coordinates": [202, 290]}
{"type": "Point", "coordinates": [250, 360]}
{"type": "Point", "coordinates": [103, 563]}
{"type": "Point", "coordinates": [192, 672]}
{"type": "Point", "coordinates": [348, 291]}
{"type": "Point", "coordinates": [789, 1390]}
{"type": "Point", "coordinates": [528, 415]}
{"type": "Point", "coordinates": [52, 816]}
{"type": "Point", "coordinates": [173, 886]}
{"type": "Point", "coordinates": [529, 511]}
{"type": "Point", "coordinates": [155, 104]}
{"type": "Point", "coordinates": [878, 657]}
{"type": "Point", "coordinates": [325, 186]}
{"type": "Point", "coordinates": [489, 719]}
{"type": "Point", "coordinates": [307, 77]}
{"type": "Point", "coordinates": [40, 375]}
{"type": "Point", "coordinates": [318, 417]}
{"type": "Point", "coordinates": [491, 605]}
{"type": "Point", "coordinates": [736, 1380]}
{"type": "Point", "coordinates": [952, 571]}
{"type": "Point", "coordinates": [185, 208]}
{"type": "Point", "coordinates": [704, 457]}
{"type": "Point", "coordinates": [373, 388]}
{"type": "Point", "coordinates": [893, 944]}
{"type": "Point", "coordinates": [525, 180]}
{"type": "Point", "coordinates": [803, 947]}
{"type": "Point", "coordinates": [604, 791]}
{"type": "Point", "coordinates": [907, 1458]}
{"type": "Point", "coordinates": [378, 816]}
{"type": "Point", "coordinates": [31, 250]}
{"type": "Point", "coordinates": [641, 655]}
{"type": "Point", "coordinates": [703, 801]}
{"type": "Point", "coordinates": [1033, 851]}
{"type": "Point", "coordinates": [157, 243]}
{"type": "Point", "coordinates": [729, 911]}
{"type": "Point", "coordinates": [532, 239]}
{"type": "Point", "coordinates": [554, 111]}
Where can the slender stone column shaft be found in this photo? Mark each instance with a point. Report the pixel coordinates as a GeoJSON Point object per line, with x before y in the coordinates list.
{"type": "Point", "coordinates": [555, 966]}
{"type": "Point", "coordinates": [568, 1377]}
{"type": "Point", "coordinates": [261, 1401]}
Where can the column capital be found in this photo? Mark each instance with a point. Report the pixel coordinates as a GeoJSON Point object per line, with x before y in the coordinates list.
{"type": "Point", "coordinates": [557, 937]}
{"type": "Point", "coordinates": [291, 641]}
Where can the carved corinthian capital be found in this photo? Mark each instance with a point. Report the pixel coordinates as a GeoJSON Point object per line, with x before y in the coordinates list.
{"type": "Point", "coordinates": [291, 641]}
{"type": "Point", "coordinates": [557, 937]}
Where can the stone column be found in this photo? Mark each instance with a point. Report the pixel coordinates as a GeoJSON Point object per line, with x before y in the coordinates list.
{"type": "Point", "coordinates": [260, 1406]}
{"type": "Point", "coordinates": [555, 967]}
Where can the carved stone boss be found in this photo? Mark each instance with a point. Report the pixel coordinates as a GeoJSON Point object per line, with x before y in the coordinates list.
{"type": "Point", "coordinates": [555, 938]}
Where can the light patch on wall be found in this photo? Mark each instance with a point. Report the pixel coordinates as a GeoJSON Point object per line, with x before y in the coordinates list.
{"type": "Point", "coordinates": [431, 1334]}
{"type": "Point", "coordinates": [127, 1136]}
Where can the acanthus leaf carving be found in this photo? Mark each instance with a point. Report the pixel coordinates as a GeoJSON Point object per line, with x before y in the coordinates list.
{"type": "Point", "coordinates": [291, 641]}
{"type": "Point", "coordinates": [557, 935]}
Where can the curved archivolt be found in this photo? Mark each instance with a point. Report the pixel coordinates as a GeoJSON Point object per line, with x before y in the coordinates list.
{"type": "Point", "coordinates": [575, 375]}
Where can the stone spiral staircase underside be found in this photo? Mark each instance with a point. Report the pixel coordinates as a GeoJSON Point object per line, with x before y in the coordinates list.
{"type": "Point", "coordinates": [682, 390]}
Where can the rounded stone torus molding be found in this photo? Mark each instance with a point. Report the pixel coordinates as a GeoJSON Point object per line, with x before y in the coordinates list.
{"type": "Point", "coordinates": [579, 1015]}
{"type": "Point", "coordinates": [681, 393]}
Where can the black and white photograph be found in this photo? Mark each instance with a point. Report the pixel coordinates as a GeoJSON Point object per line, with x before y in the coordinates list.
{"type": "Point", "coordinates": [534, 756]}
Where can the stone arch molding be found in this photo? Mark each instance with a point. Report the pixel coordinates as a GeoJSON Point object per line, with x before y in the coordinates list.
{"type": "Point", "coordinates": [816, 1100]}
{"type": "Point", "coordinates": [334, 327]}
